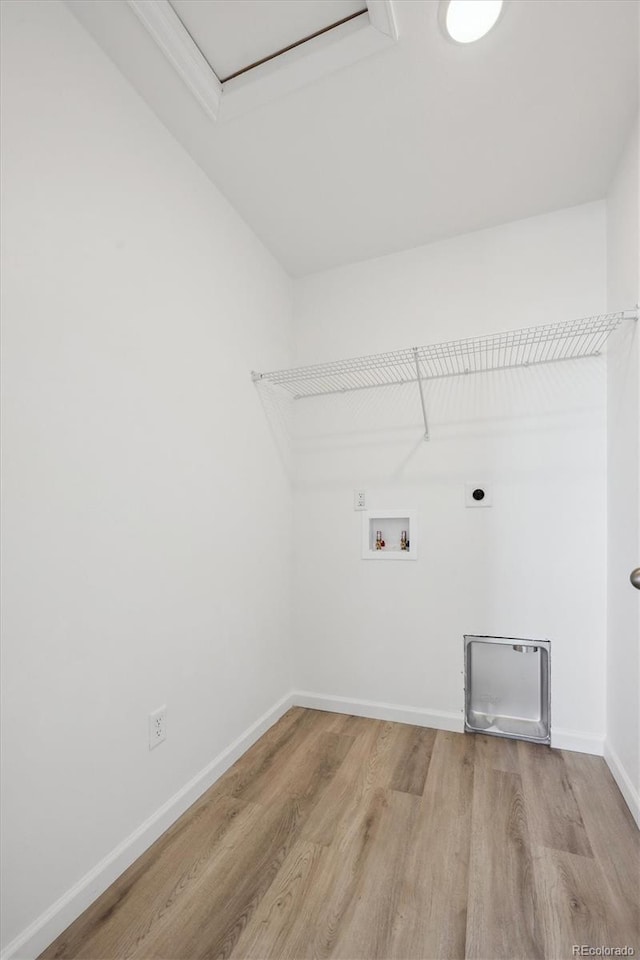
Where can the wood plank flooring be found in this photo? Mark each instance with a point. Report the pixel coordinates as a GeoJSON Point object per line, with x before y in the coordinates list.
{"type": "Point", "coordinates": [341, 837]}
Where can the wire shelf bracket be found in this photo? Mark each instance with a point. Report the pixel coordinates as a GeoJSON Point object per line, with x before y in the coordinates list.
{"type": "Point", "coordinates": [421, 389]}
{"type": "Point", "coordinates": [551, 343]}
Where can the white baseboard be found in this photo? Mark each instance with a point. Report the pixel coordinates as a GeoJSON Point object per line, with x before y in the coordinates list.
{"type": "Point", "coordinates": [622, 778]}
{"type": "Point", "coordinates": [439, 719]}
{"type": "Point", "coordinates": [579, 742]}
{"type": "Point", "coordinates": [39, 934]}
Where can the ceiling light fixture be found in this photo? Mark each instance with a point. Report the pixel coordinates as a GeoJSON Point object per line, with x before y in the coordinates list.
{"type": "Point", "coordinates": [468, 20]}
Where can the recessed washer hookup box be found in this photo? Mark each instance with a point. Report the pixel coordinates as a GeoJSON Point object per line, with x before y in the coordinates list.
{"type": "Point", "coordinates": [507, 687]}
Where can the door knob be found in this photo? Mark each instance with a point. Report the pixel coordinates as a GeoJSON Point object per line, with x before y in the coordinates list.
{"type": "Point", "coordinates": [635, 578]}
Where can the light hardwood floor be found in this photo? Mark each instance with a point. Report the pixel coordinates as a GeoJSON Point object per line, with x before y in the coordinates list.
{"type": "Point", "coordinates": [336, 836]}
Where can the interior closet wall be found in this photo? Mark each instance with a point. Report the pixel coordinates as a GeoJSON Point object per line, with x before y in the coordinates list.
{"type": "Point", "coordinates": [146, 535]}
{"type": "Point", "coordinates": [623, 653]}
{"type": "Point", "coordinates": [534, 563]}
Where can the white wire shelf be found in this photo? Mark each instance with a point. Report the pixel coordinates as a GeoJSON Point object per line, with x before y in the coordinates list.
{"type": "Point", "coordinates": [551, 343]}
{"type": "Point", "coordinates": [567, 340]}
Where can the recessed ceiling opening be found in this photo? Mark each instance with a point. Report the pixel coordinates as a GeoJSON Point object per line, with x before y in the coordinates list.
{"type": "Point", "coordinates": [235, 36]}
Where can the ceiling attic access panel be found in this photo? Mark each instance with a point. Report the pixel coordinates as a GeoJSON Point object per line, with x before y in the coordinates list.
{"type": "Point", "coordinates": [237, 55]}
{"type": "Point", "coordinates": [236, 37]}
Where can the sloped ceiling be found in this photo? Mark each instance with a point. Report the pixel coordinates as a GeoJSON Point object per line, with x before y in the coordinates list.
{"type": "Point", "coordinates": [423, 140]}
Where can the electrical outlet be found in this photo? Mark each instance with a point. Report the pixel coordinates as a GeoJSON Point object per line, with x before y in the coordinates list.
{"type": "Point", "coordinates": [359, 500]}
{"type": "Point", "coordinates": [157, 727]}
{"type": "Point", "coordinates": [478, 495]}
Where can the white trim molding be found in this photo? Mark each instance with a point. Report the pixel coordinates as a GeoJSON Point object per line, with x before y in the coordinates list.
{"type": "Point", "coordinates": [419, 716]}
{"type": "Point", "coordinates": [382, 17]}
{"type": "Point", "coordinates": [423, 717]}
{"type": "Point", "coordinates": [49, 925]}
{"type": "Point", "coordinates": [577, 741]}
{"type": "Point", "coordinates": [310, 60]}
{"type": "Point", "coordinates": [623, 780]}
{"type": "Point", "coordinates": [164, 25]}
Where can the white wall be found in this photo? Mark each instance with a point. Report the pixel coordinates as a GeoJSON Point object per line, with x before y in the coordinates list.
{"type": "Point", "coordinates": [623, 655]}
{"type": "Point", "coordinates": [145, 490]}
{"type": "Point", "coordinates": [145, 499]}
{"type": "Point", "coordinates": [534, 564]}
